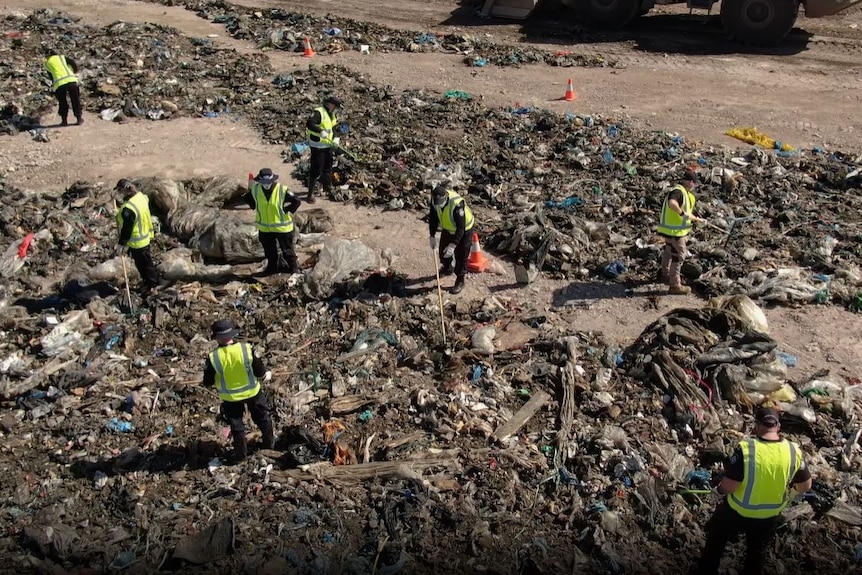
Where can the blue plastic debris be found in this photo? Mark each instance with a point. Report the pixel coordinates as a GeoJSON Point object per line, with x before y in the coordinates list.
{"type": "Point", "coordinates": [678, 140]}
{"type": "Point", "coordinates": [210, 114]}
{"type": "Point", "coordinates": [570, 202]}
{"type": "Point", "coordinates": [857, 553]}
{"type": "Point", "coordinates": [615, 269]}
{"type": "Point", "coordinates": [597, 508]}
{"type": "Point", "coordinates": [298, 148]}
{"type": "Point", "coordinates": [480, 62]}
{"type": "Point", "coordinates": [786, 358]}
{"type": "Point", "coordinates": [38, 394]}
{"type": "Point", "coordinates": [698, 478]}
{"type": "Point", "coordinates": [332, 31]}
{"type": "Point", "coordinates": [119, 426]}
{"type": "Point", "coordinates": [283, 81]}
{"type": "Point", "coordinates": [477, 373]}
{"type": "Point", "coordinates": [567, 478]}
{"type": "Point", "coordinates": [608, 156]}
{"type": "Point", "coordinates": [613, 131]}
{"type": "Point", "coordinates": [817, 150]}
{"type": "Point", "coordinates": [570, 115]}
{"type": "Point", "coordinates": [176, 506]}
{"type": "Point", "coordinates": [520, 111]}
{"type": "Point", "coordinates": [701, 162]}
{"type": "Point", "coordinates": [169, 431]}
{"type": "Point", "coordinates": [343, 128]}
{"type": "Point", "coordinates": [821, 277]}
{"type": "Point", "coordinates": [588, 121]}
{"type": "Point", "coordinates": [426, 39]}
{"type": "Point", "coordinates": [366, 415]}
{"type": "Point", "coordinates": [670, 153]}
{"type": "Point", "coordinates": [328, 538]}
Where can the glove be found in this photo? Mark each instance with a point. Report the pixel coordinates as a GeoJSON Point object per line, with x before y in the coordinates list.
{"type": "Point", "coordinates": [326, 135]}
{"type": "Point", "coordinates": [432, 242]}
{"type": "Point", "coordinates": [717, 493]}
{"type": "Point", "coordinates": [267, 377]}
{"type": "Point", "coordinates": [336, 141]}
{"type": "Point", "coordinates": [448, 252]}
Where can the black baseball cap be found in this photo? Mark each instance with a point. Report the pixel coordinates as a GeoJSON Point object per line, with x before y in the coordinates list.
{"type": "Point", "coordinates": [691, 176]}
{"type": "Point", "coordinates": [767, 416]}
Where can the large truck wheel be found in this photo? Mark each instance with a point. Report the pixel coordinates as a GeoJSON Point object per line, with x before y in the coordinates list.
{"type": "Point", "coordinates": [606, 13]}
{"type": "Point", "coordinates": [759, 22]}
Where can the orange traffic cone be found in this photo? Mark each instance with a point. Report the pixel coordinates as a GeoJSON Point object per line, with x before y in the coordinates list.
{"type": "Point", "coordinates": [478, 262]}
{"type": "Point", "coordinates": [308, 53]}
{"type": "Point", "coordinates": [570, 92]}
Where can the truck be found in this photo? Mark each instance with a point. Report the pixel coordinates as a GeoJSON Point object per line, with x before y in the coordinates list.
{"type": "Point", "coordinates": [752, 22]}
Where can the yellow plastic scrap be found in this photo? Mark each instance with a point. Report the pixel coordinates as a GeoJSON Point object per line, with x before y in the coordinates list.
{"type": "Point", "coordinates": [753, 136]}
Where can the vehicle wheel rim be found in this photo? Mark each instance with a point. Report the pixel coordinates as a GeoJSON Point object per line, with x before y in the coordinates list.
{"type": "Point", "coordinates": [605, 5]}
{"type": "Point", "coordinates": [757, 14]}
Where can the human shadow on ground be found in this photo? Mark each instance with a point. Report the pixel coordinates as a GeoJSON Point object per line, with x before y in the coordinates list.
{"type": "Point", "coordinates": [686, 34]}
{"type": "Point", "coordinates": [585, 292]}
{"type": "Point", "coordinates": [166, 458]}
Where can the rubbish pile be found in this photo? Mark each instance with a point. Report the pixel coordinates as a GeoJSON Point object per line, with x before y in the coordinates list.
{"type": "Point", "coordinates": [280, 29]}
{"type": "Point", "coordinates": [128, 71]}
{"type": "Point", "coordinates": [395, 453]}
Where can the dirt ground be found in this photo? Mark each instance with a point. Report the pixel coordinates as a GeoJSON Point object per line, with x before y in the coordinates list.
{"type": "Point", "coordinates": [675, 86]}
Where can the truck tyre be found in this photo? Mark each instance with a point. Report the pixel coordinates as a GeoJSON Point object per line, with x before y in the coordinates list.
{"type": "Point", "coordinates": [607, 13]}
{"type": "Point", "coordinates": [759, 22]}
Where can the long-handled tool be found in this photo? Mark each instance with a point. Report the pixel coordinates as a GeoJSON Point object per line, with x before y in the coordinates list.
{"type": "Point", "coordinates": [126, 278]}
{"type": "Point", "coordinates": [439, 296]}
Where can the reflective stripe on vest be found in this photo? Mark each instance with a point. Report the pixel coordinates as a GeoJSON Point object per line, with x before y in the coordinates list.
{"type": "Point", "coordinates": [327, 122]}
{"type": "Point", "coordinates": [61, 72]}
{"type": "Point", "coordinates": [271, 216]}
{"type": "Point", "coordinates": [769, 469]}
{"type": "Point", "coordinates": [235, 380]}
{"type": "Point", "coordinates": [445, 215]}
{"type": "Point", "coordinates": [142, 232]}
{"type": "Point", "coordinates": [672, 224]}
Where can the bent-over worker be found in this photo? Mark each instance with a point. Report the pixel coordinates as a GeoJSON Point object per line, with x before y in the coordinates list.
{"type": "Point", "coordinates": [136, 231]}
{"type": "Point", "coordinates": [235, 371]}
{"type": "Point", "coordinates": [64, 84]}
{"type": "Point", "coordinates": [674, 227]}
{"type": "Point", "coordinates": [274, 207]}
{"type": "Point", "coordinates": [451, 214]}
{"type": "Point", "coordinates": [757, 480]}
{"type": "Point", "coordinates": [319, 130]}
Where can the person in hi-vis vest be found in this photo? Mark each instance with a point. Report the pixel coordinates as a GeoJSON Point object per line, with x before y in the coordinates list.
{"type": "Point", "coordinates": [135, 226]}
{"type": "Point", "coordinates": [320, 133]}
{"type": "Point", "coordinates": [451, 214]}
{"type": "Point", "coordinates": [236, 374]}
{"type": "Point", "coordinates": [759, 480]}
{"type": "Point", "coordinates": [64, 84]}
{"type": "Point", "coordinates": [674, 227]}
{"type": "Point", "coordinates": [274, 207]}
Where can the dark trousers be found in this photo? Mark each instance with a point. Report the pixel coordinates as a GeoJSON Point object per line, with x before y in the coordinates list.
{"type": "Point", "coordinates": [234, 411]}
{"type": "Point", "coordinates": [271, 242]}
{"type": "Point", "coordinates": [321, 168]}
{"type": "Point", "coordinates": [65, 94]}
{"type": "Point", "coordinates": [146, 267]}
{"type": "Point", "coordinates": [725, 526]}
{"type": "Point", "coordinates": [462, 252]}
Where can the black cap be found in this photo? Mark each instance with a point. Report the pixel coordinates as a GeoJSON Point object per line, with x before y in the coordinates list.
{"type": "Point", "coordinates": [439, 195]}
{"type": "Point", "coordinates": [124, 185]}
{"type": "Point", "coordinates": [767, 417]}
{"type": "Point", "coordinates": [334, 100]}
{"type": "Point", "coordinates": [690, 176]}
{"type": "Point", "coordinates": [224, 329]}
{"type": "Point", "coordinates": [265, 176]}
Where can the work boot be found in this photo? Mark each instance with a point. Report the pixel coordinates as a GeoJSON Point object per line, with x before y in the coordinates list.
{"type": "Point", "coordinates": [268, 441]}
{"type": "Point", "coordinates": [459, 285]}
{"type": "Point", "coordinates": [79, 122]}
{"type": "Point", "coordinates": [679, 290]}
{"type": "Point", "coordinates": [446, 270]}
{"type": "Point", "coordinates": [240, 449]}
{"type": "Point", "coordinates": [310, 198]}
{"type": "Point", "coordinates": [64, 122]}
{"type": "Point", "coordinates": [293, 266]}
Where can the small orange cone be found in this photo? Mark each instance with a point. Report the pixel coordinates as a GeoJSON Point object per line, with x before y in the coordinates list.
{"type": "Point", "coordinates": [308, 53]}
{"type": "Point", "coordinates": [570, 92]}
{"type": "Point", "coordinates": [478, 262]}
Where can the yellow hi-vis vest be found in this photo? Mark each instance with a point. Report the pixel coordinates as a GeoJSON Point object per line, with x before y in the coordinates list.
{"type": "Point", "coordinates": [327, 122]}
{"type": "Point", "coordinates": [142, 233]}
{"type": "Point", "coordinates": [235, 380]}
{"type": "Point", "coordinates": [769, 468]}
{"type": "Point", "coordinates": [61, 72]}
{"type": "Point", "coordinates": [271, 216]}
{"type": "Point", "coordinates": [673, 224]}
{"type": "Point", "coordinates": [444, 214]}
